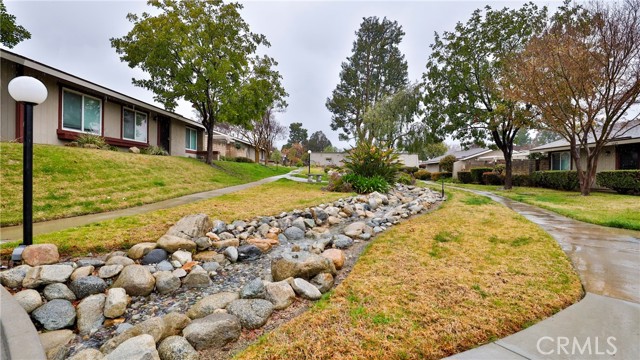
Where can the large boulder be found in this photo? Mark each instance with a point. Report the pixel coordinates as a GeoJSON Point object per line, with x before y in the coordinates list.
{"type": "Point", "coordinates": [191, 227]}
{"type": "Point", "coordinates": [172, 243]}
{"type": "Point", "coordinates": [177, 348]}
{"type": "Point", "coordinates": [41, 254]}
{"type": "Point", "coordinates": [12, 278]}
{"type": "Point", "coordinates": [87, 285]}
{"type": "Point", "coordinates": [253, 313]}
{"type": "Point", "coordinates": [300, 264]}
{"type": "Point", "coordinates": [90, 314]}
{"type": "Point", "coordinates": [55, 314]}
{"type": "Point", "coordinates": [280, 294]}
{"type": "Point", "coordinates": [136, 280]}
{"type": "Point", "coordinates": [139, 250]}
{"type": "Point", "coordinates": [55, 343]}
{"type": "Point", "coordinates": [116, 303]}
{"type": "Point", "coordinates": [29, 299]}
{"type": "Point", "coordinates": [206, 306]}
{"type": "Point", "coordinates": [213, 331]}
{"type": "Point", "coordinates": [142, 347]}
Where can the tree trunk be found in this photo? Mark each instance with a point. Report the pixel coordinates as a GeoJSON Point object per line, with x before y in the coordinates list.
{"type": "Point", "coordinates": [210, 146]}
{"type": "Point", "coordinates": [256, 155]}
{"type": "Point", "coordinates": [507, 152]}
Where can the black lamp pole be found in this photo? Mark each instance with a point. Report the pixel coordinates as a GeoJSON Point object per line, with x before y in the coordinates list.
{"type": "Point", "coordinates": [27, 176]}
{"type": "Point", "coordinates": [442, 194]}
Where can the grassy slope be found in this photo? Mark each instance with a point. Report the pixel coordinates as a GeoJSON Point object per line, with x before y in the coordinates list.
{"type": "Point", "coordinates": [441, 283]}
{"type": "Point", "coordinates": [607, 209]}
{"type": "Point", "coordinates": [72, 181]}
{"type": "Point", "coordinates": [121, 233]}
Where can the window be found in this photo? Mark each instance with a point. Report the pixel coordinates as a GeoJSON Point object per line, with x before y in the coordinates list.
{"type": "Point", "coordinates": [134, 125]}
{"type": "Point", "coordinates": [81, 112]}
{"type": "Point", "coordinates": [628, 157]}
{"type": "Point", "coordinates": [191, 140]}
{"type": "Point", "coordinates": [561, 161]}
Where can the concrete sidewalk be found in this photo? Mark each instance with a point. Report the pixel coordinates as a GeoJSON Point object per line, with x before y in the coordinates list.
{"type": "Point", "coordinates": [12, 233]}
{"type": "Point", "coordinates": [605, 324]}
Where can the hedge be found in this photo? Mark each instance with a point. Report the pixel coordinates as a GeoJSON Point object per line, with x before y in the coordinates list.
{"type": "Point", "coordinates": [491, 178]}
{"type": "Point", "coordinates": [476, 173]}
{"type": "Point", "coordinates": [422, 174]}
{"type": "Point", "coordinates": [465, 177]}
{"type": "Point", "coordinates": [520, 180]}
{"type": "Point", "coordinates": [556, 179]}
{"type": "Point", "coordinates": [622, 181]}
{"type": "Point", "coordinates": [435, 176]}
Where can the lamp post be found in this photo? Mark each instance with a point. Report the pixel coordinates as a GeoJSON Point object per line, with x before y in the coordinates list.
{"type": "Point", "coordinates": [309, 152]}
{"type": "Point", "coordinates": [30, 92]}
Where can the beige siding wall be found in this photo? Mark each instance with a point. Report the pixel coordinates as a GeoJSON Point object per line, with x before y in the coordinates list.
{"type": "Point", "coordinates": [153, 129]}
{"type": "Point", "coordinates": [8, 107]}
{"type": "Point", "coordinates": [45, 115]}
{"type": "Point", "coordinates": [112, 119]}
{"type": "Point", "coordinates": [606, 161]}
{"type": "Point", "coordinates": [177, 139]}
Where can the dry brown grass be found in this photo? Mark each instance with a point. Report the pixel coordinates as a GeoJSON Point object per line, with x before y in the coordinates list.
{"type": "Point", "coordinates": [442, 283]}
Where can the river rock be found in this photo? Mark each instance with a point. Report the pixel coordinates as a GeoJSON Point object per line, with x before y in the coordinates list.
{"type": "Point", "coordinates": [12, 278]}
{"type": "Point", "coordinates": [212, 331]}
{"type": "Point", "coordinates": [87, 285]}
{"type": "Point", "coordinates": [88, 354]}
{"type": "Point", "coordinates": [191, 227]}
{"type": "Point", "coordinates": [58, 291]}
{"type": "Point", "coordinates": [90, 314]}
{"type": "Point", "coordinates": [91, 262]}
{"type": "Point", "coordinates": [141, 347]}
{"type": "Point", "coordinates": [323, 282]}
{"type": "Point", "coordinates": [304, 289]}
{"type": "Point", "coordinates": [116, 303]}
{"type": "Point", "coordinates": [154, 256]}
{"type": "Point", "coordinates": [280, 294]}
{"type": "Point", "coordinates": [253, 313]}
{"type": "Point", "coordinates": [47, 274]}
{"type": "Point", "coordinates": [248, 252]}
{"type": "Point", "coordinates": [335, 255]}
{"type": "Point", "coordinates": [55, 343]}
{"type": "Point", "coordinates": [197, 278]}
{"type": "Point", "coordinates": [294, 233]}
{"type": "Point", "coordinates": [231, 253]}
{"type": "Point", "coordinates": [263, 244]}
{"type": "Point", "coordinates": [120, 260]}
{"type": "Point", "coordinates": [300, 265]}
{"type": "Point", "coordinates": [164, 266]}
{"type": "Point", "coordinates": [40, 254]}
{"type": "Point", "coordinates": [166, 282]}
{"type": "Point", "coordinates": [181, 256]}
{"type": "Point", "coordinates": [204, 242]}
{"type": "Point", "coordinates": [29, 299]}
{"type": "Point", "coordinates": [177, 348]}
{"type": "Point", "coordinates": [139, 250]}
{"type": "Point", "coordinates": [254, 289]}
{"type": "Point", "coordinates": [153, 327]}
{"type": "Point", "coordinates": [136, 280]}
{"type": "Point", "coordinates": [342, 241]}
{"type": "Point", "coordinates": [174, 243]}
{"type": "Point", "coordinates": [226, 243]}
{"type": "Point", "coordinates": [299, 223]}
{"type": "Point", "coordinates": [211, 303]}
{"type": "Point", "coordinates": [82, 272]}
{"type": "Point", "coordinates": [355, 229]}
{"type": "Point", "coordinates": [205, 256]}
{"type": "Point", "coordinates": [174, 323]}
{"type": "Point", "coordinates": [109, 271]}
{"type": "Point", "coordinates": [55, 314]}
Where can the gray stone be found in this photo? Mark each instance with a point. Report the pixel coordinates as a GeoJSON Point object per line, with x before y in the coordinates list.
{"type": "Point", "coordinates": [90, 314]}
{"type": "Point", "coordinates": [136, 280]}
{"type": "Point", "coordinates": [174, 323]}
{"type": "Point", "coordinates": [87, 285]}
{"type": "Point", "coordinates": [139, 250]}
{"type": "Point", "coordinates": [87, 354]}
{"type": "Point", "coordinates": [263, 229]}
{"type": "Point", "coordinates": [294, 233]}
{"type": "Point", "coordinates": [191, 227]}
{"type": "Point", "coordinates": [154, 256]}
{"type": "Point", "coordinates": [206, 306]}
{"type": "Point", "coordinates": [211, 266]}
{"type": "Point", "coordinates": [28, 299]}
{"type": "Point", "coordinates": [253, 313]}
{"type": "Point", "coordinates": [58, 291]}
{"type": "Point", "coordinates": [177, 348]}
{"type": "Point", "coordinates": [354, 229]}
{"type": "Point", "coordinates": [181, 256]}
{"type": "Point", "coordinates": [142, 347]}
{"type": "Point", "coordinates": [364, 236]}
{"type": "Point", "coordinates": [174, 243]}
{"type": "Point", "coordinates": [164, 266]}
{"type": "Point", "coordinates": [323, 282]}
{"type": "Point", "coordinates": [90, 262]}
{"type": "Point", "coordinates": [203, 243]}
{"type": "Point", "coordinates": [123, 327]}
{"type": "Point", "coordinates": [248, 252]}
{"type": "Point", "coordinates": [82, 272]}
{"type": "Point", "coordinates": [12, 278]}
{"type": "Point", "coordinates": [55, 314]}
{"type": "Point", "coordinates": [226, 236]}
{"type": "Point", "coordinates": [153, 327]}
{"type": "Point", "coordinates": [46, 274]}
{"type": "Point", "coordinates": [280, 294]}
{"type": "Point", "coordinates": [231, 253]}
{"type": "Point", "coordinates": [300, 265]}
{"type": "Point", "coordinates": [197, 279]}
{"type": "Point", "coordinates": [299, 223]}
{"type": "Point", "coordinates": [254, 289]}
{"type": "Point", "coordinates": [342, 241]}
{"type": "Point", "coordinates": [179, 273]}
{"type": "Point", "coordinates": [219, 226]}
{"type": "Point", "coordinates": [304, 289]}
{"type": "Point", "coordinates": [310, 223]}
{"type": "Point", "coordinates": [109, 271]}
{"type": "Point", "coordinates": [55, 343]}
{"type": "Point", "coordinates": [116, 253]}
{"type": "Point", "coordinates": [213, 331]}
{"type": "Point", "coordinates": [319, 215]}
{"type": "Point", "coordinates": [120, 260]}
{"type": "Point", "coordinates": [166, 282]}
{"type": "Point", "coordinates": [116, 303]}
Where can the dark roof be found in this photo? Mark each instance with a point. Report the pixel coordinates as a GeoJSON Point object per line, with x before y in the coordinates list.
{"type": "Point", "coordinates": [460, 155]}
{"type": "Point", "coordinates": [629, 136]}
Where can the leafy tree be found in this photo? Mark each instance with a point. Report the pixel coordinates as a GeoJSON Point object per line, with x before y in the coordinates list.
{"type": "Point", "coordinates": [582, 75]}
{"type": "Point", "coordinates": [276, 156]}
{"type": "Point", "coordinates": [545, 136]}
{"type": "Point", "coordinates": [375, 70]}
{"type": "Point", "coordinates": [446, 163]}
{"type": "Point", "coordinates": [522, 138]}
{"type": "Point", "coordinates": [11, 34]}
{"type": "Point", "coordinates": [318, 142]}
{"type": "Point", "coordinates": [297, 134]}
{"type": "Point", "coordinates": [330, 149]}
{"type": "Point", "coordinates": [202, 52]}
{"type": "Point", "coordinates": [466, 78]}
{"type": "Point", "coordinates": [432, 150]}
{"type": "Point", "coordinates": [294, 153]}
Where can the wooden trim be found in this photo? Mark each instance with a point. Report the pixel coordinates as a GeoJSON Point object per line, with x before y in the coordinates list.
{"type": "Point", "coordinates": [19, 121]}
{"type": "Point", "coordinates": [124, 143]}
{"type": "Point", "coordinates": [617, 157]}
{"type": "Point", "coordinates": [60, 95]}
{"type": "Point", "coordinates": [199, 152]}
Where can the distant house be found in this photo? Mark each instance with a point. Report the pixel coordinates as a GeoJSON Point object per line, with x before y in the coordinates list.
{"type": "Point", "coordinates": [77, 106]}
{"type": "Point", "coordinates": [463, 158]}
{"type": "Point", "coordinates": [621, 153]}
{"type": "Point", "coordinates": [332, 158]}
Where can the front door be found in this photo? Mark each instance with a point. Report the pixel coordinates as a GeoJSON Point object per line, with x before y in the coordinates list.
{"type": "Point", "coordinates": [164, 133]}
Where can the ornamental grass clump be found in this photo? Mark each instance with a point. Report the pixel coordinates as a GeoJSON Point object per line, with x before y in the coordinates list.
{"type": "Point", "coordinates": [369, 160]}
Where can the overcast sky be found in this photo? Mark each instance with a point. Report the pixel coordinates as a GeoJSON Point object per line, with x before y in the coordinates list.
{"type": "Point", "coordinates": [310, 40]}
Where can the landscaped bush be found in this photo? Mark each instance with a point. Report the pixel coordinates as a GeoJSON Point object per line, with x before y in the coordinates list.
{"type": "Point", "coordinates": [492, 178]}
{"type": "Point", "coordinates": [622, 181]}
{"type": "Point", "coordinates": [365, 185]}
{"type": "Point", "coordinates": [242, 159]}
{"type": "Point", "coordinates": [476, 173]}
{"type": "Point", "coordinates": [499, 168]}
{"type": "Point", "coordinates": [520, 180]}
{"type": "Point", "coordinates": [337, 183]}
{"type": "Point", "coordinates": [90, 140]}
{"type": "Point", "coordinates": [406, 179]}
{"type": "Point", "coordinates": [422, 174]}
{"type": "Point", "coordinates": [436, 176]}
{"type": "Point", "coordinates": [555, 179]}
{"type": "Point", "coordinates": [369, 161]}
{"type": "Point", "coordinates": [409, 169]}
{"type": "Point", "coordinates": [154, 150]}
{"type": "Point", "coordinates": [446, 163]}
{"type": "Point", "coordinates": [465, 177]}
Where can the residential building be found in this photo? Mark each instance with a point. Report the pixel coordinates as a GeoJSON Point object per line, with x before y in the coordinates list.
{"type": "Point", "coordinates": [337, 159]}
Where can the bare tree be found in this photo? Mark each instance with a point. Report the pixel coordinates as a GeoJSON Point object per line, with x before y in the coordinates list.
{"type": "Point", "coordinates": [583, 77]}
{"type": "Point", "coordinates": [262, 133]}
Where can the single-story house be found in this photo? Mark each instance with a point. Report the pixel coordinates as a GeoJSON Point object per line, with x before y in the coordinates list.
{"type": "Point", "coordinates": [230, 146]}
{"type": "Point", "coordinates": [462, 157]}
{"type": "Point", "coordinates": [337, 159]}
{"type": "Point", "coordinates": [620, 153]}
{"type": "Point", "coordinates": [77, 106]}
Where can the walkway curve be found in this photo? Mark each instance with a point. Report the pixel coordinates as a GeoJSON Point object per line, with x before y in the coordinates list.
{"type": "Point", "coordinates": [13, 233]}
{"type": "Point", "coordinates": [605, 324]}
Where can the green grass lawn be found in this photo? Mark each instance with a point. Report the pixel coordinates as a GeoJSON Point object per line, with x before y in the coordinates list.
{"type": "Point", "coordinates": [607, 209]}
{"type": "Point", "coordinates": [74, 181]}
{"type": "Point", "coordinates": [121, 233]}
{"type": "Point", "coordinates": [441, 283]}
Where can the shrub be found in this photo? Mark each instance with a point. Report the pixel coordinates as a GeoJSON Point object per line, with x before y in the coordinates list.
{"type": "Point", "coordinates": [242, 159]}
{"type": "Point", "coordinates": [446, 163]}
{"type": "Point", "coordinates": [406, 179]}
{"type": "Point", "coordinates": [465, 177]}
{"type": "Point", "coordinates": [520, 180]}
{"type": "Point", "coordinates": [555, 179]}
{"type": "Point", "coordinates": [409, 169]}
{"type": "Point", "coordinates": [436, 176]}
{"type": "Point", "coordinates": [422, 166]}
{"type": "Point", "coordinates": [476, 173]}
{"type": "Point", "coordinates": [365, 185]}
{"type": "Point", "coordinates": [337, 183]}
{"type": "Point", "coordinates": [89, 139]}
{"type": "Point", "coordinates": [369, 161]}
{"type": "Point", "coordinates": [422, 174]}
{"type": "Point", "coordinates": [299, 163]}
{"type": "Point", "coordinates": [154, 150]}
{"type": "Point", "coordinates": [492, 178]}
{"type": "Point", "coordinates": [499, 168]}
{"type": "Point", "coordinates": [622, 181]}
